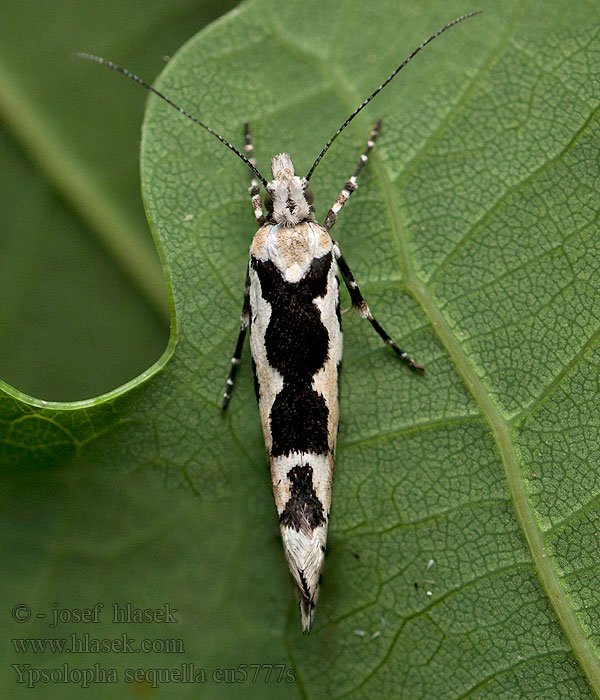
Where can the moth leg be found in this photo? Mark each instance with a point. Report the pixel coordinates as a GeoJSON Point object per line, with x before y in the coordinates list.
{"type": "Point", "coordinates": [235, 360]}
{"type": "Point", "coordinates": [245, 319]}
{"type": "Point", "coordinates": [254, 188]}
{"type": "Point", "coordinates": [359, 303]}
{"type": "Point", "coordinates": [351, 185]}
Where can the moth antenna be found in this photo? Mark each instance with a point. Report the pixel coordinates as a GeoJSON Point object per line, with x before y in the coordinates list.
{"type": "Point", "coordinates": [380, 88]}
{"type": "Point", "coordinates": [143, 83]}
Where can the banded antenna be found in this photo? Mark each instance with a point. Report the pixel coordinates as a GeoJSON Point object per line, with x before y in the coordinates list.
{"type": "Point", "coordinates": [143, 83]}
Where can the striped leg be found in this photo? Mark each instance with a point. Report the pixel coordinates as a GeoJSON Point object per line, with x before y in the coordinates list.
{"type": "Point", "coordinates": [362, 307]}
{"type": "Point", "coordinates": [235, 360]}
{"type": "Point", "coordinates": [254, 189]}
{"type": "Point", "coordinates": [351, 185]}
{"type": "Point", "coordinates": [258, 213]}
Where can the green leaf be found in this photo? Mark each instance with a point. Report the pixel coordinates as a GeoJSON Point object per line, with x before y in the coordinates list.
{"type": "Point", "coordinates": [463, 540]}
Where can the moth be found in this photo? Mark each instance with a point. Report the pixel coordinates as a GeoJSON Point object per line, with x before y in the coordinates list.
{"type": "Point", "coordinates": [292, 309]}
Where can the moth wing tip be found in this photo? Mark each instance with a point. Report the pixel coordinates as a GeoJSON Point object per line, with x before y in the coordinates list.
{"type": "Point", "coordinates": [307, 609]}
{"type": "Point", "coordinates": [307, 613]}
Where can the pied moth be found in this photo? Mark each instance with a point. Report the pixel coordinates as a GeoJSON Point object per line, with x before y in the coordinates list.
{"type": "Point", "coordinates": [292, 309]}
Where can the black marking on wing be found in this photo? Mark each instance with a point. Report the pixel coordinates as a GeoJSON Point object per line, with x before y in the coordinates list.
{"type": "Point", "coordinates": [305, 590]}
{"type": "Point", "coordinates": [303, 511]}
{"type": "Point", "coordinates": [256, 390]}
{"type": "Point", "coordinates": [297, 346]}
{"type": "Point", "coordinates": [296, 339]}
{"type": "Point", "coordinates": [299, 420]}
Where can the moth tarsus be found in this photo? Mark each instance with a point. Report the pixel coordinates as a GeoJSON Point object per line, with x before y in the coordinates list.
{"type": "Point", "coordinates": [291, 309]}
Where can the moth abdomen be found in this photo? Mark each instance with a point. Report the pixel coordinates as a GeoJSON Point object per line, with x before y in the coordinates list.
{"type": "Point", "coordinates": [296, 344]}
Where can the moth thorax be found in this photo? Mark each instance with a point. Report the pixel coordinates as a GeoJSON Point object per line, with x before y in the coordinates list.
{"type": "Point", "coordinates": [290, 206]}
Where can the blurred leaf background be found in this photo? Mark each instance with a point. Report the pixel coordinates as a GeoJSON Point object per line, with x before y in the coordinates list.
{"type": "Point", "coordinates": [84, 306]}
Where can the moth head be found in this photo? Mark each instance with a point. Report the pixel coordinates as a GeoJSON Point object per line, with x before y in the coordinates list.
{"type": "Point", "coordinates": [288, 197]}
